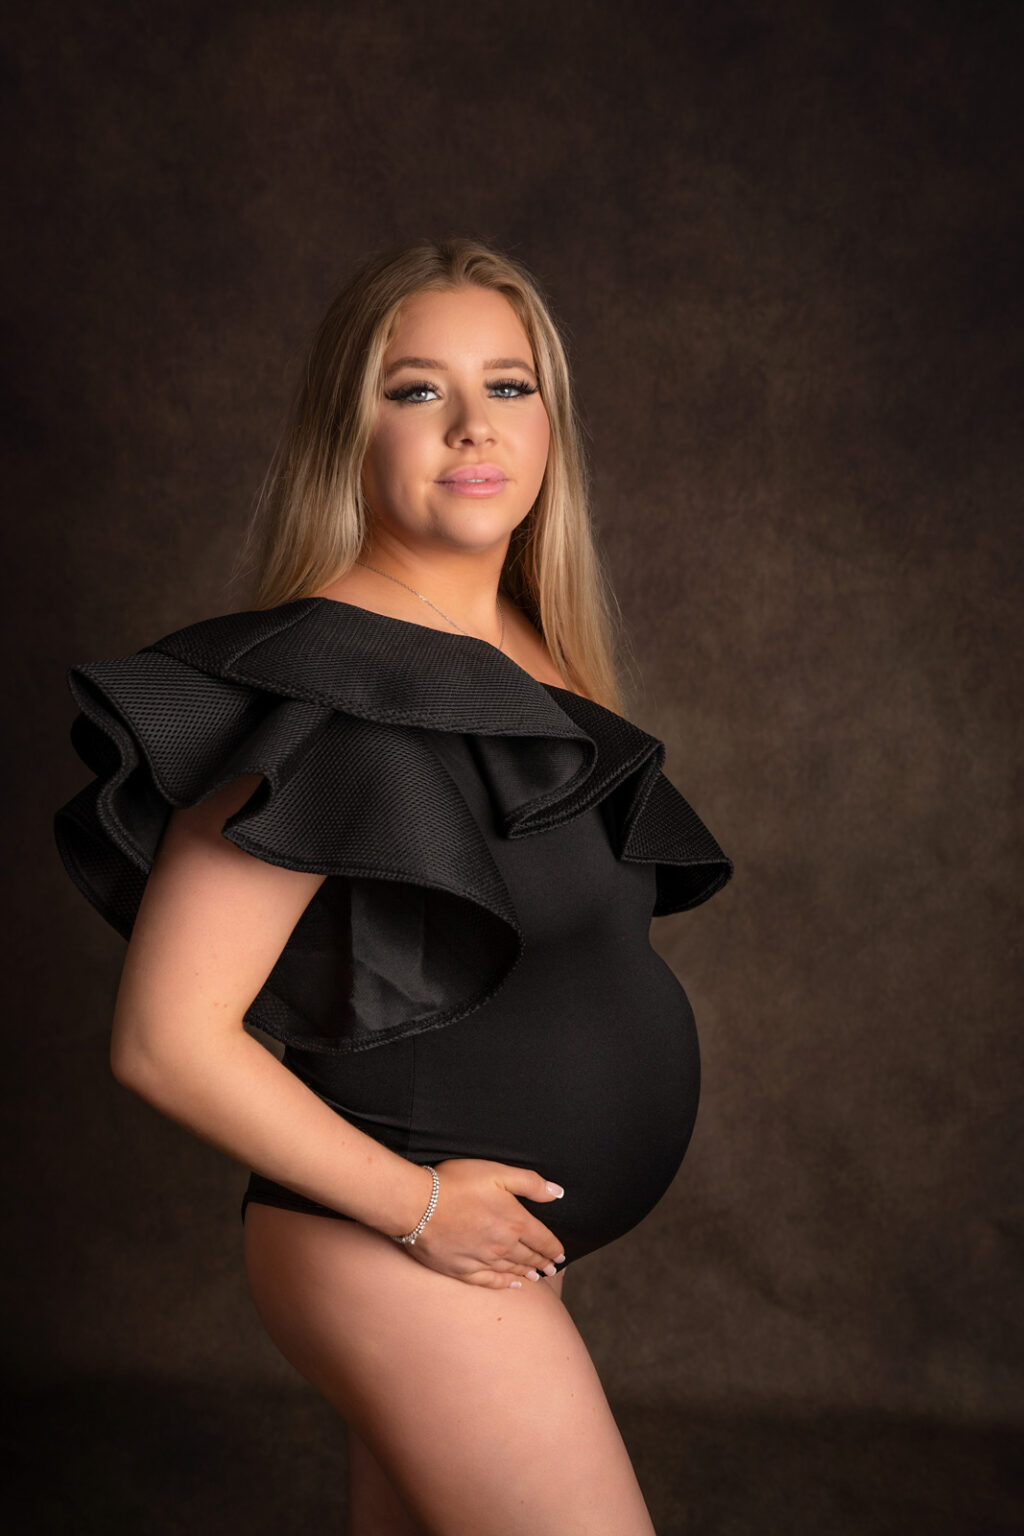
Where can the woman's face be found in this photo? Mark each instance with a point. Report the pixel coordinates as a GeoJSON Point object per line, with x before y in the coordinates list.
{"type": "Point", "coordinates": [468, 403]}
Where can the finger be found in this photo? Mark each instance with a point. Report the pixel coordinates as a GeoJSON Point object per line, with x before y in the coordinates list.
{"type": "Point", "coordinates": [538, 1247]}
{"type": "Point", "coordinates": [534, 1259]}
{"type": "Point", "coordinates": [493, 1281]}
{"type": "Point", "coordinates": [531, 1250]}
{"type": "Point", "coordinates": [529, 1264]}
{"type": "Point", "coordinates": [528, 1182]}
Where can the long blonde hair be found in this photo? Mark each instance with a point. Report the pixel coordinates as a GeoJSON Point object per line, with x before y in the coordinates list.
{"type": "Point", "coordinates": [311, 521]}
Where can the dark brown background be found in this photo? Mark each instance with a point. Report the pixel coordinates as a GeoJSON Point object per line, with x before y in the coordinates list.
{"type": "Point", "coordinates": [784, 240]}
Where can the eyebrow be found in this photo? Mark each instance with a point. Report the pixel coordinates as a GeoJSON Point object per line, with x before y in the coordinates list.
{"type": "Point", "coordinates": [432, 362]}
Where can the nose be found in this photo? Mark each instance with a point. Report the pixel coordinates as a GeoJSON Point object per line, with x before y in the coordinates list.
{"type": "Point", "coordinates": [470, 422]}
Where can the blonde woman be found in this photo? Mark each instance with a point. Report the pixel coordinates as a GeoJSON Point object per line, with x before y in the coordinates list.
{"type": "Point", "coordinates": [393, 816]}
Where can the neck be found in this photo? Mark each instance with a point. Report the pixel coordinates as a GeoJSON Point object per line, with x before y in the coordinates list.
{"type": "Point", "coordinates": [461, 591]}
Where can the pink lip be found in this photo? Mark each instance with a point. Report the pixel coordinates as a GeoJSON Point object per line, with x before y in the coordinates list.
{"type": "Point", "coordinates": [474, 472]}
{"type": "Point", "coordinates": [476, 480]}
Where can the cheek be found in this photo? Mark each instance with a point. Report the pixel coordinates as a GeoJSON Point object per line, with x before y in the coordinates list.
{"type": "Point", "coordinates": [383, 445]}
{"type": "Point", "coordinates": [386, 457]}
{"type": "Point", "coordinates": [537, 437]}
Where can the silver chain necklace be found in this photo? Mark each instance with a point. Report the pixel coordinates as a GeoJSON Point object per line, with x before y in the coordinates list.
{"type": "Point", "coordinates": [441, 611]}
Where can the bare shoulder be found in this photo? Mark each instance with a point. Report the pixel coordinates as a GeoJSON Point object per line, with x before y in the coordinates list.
{"type": "Point", "coordinates": [526, 647]}
{"type": "Point", "coordinates": [362, 590]}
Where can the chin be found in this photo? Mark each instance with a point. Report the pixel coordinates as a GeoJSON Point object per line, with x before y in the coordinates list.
{"type": "Point", "coordinates": [477, 528]}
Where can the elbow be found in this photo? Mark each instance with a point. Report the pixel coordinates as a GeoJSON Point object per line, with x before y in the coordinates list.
{"type": "Point", "coordinates": [159, 1063]}
{"type": "Point", "coordinates": [136, 1036]}
{"type": "Point", "coordinates": [125, 1050]}
{"type": "Point", "coordinates": [126, 1065]}
{"type": "Point", "coordinates": [133, 1061]}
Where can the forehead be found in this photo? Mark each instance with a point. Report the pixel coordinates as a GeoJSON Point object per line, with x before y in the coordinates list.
{"type": "Point", "coordinates": [464, 326]}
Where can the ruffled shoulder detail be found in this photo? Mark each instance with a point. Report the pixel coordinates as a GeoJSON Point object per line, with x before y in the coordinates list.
{"type": "Point", "coordinates": [655, 824]}
{"type": "Point", "coordinates": [333, 705]}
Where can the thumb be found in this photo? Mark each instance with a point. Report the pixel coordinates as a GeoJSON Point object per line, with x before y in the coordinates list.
{"type": "Point", "coordinates": [526, 1181]}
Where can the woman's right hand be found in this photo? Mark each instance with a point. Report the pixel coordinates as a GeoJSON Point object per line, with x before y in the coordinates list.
{"type": "Point", "coordinates": [479, 1232]}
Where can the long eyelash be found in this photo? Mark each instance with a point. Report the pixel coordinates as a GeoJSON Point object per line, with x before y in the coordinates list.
{"type": "Point", "coordinates": [405, 390]}
{"type": "Point", "coordinates": [520, 384]}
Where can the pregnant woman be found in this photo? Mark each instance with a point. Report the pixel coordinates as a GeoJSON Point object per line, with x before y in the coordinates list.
{"type": "Point", "coordinates": [392, 816]}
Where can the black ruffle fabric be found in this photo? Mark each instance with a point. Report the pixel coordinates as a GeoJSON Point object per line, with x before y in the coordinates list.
{"type": "Point", "coordinates": [336, 707]}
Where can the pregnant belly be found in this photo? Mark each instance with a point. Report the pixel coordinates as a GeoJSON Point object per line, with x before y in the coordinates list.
{"type": "Point", "coordinates": [590, 1076]}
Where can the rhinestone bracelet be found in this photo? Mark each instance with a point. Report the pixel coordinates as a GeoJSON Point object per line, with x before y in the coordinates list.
{"type": "Point", "coordinates": [410, 1237]}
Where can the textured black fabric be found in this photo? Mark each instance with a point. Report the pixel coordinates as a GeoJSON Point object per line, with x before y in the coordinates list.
{"type": "Point", "coordinates": [583, 1065]}
{"type": "Point", "coordinates": [347, 714]}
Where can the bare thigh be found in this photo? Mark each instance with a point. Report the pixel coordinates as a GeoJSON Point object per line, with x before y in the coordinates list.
{"type": "Point", "coordinates": [483, 1407]}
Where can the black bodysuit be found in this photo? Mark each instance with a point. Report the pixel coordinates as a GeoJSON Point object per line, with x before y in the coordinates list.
{"type": "Point", "coordinates": [475, 978]}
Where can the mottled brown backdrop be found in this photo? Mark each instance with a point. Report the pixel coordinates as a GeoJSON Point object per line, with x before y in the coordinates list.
{"type": "Point", "coordinates": [785, 242]}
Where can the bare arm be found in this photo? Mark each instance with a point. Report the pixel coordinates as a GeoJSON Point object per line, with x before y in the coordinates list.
{"type": "Point", "coordinates": [212, 922]}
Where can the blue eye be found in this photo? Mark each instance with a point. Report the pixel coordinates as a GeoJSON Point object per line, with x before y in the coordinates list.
{"type": "Point", "coordinates": [518, 384]}
{"type": "Point", "coordinates": [405, 393]}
